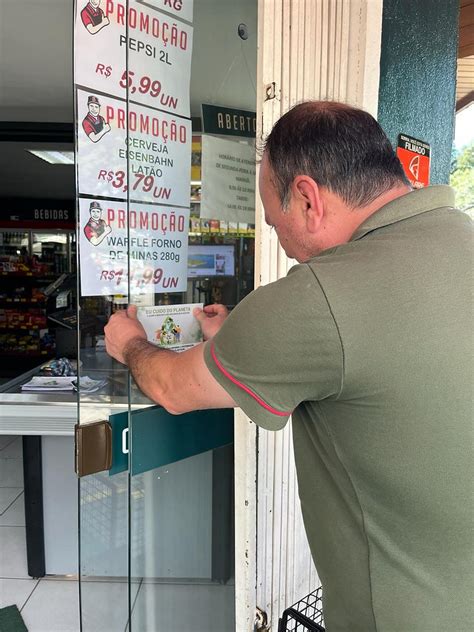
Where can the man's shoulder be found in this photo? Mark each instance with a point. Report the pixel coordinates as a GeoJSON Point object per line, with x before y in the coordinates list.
{"type": "Point", "coordinates": [300, 277]}
{"type": "Point", "coordinates": [296, 292]}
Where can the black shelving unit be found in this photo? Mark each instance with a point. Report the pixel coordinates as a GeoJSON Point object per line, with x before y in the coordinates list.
{"type": "Point", "coordinates": [306, 615]}
{"type": "Point", "coordinates": [27, 267]}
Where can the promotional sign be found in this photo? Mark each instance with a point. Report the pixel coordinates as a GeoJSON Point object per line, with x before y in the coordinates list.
{"type": "Point", "coordinates": [171, 326]}
{"type": "Point", "coordinates": [182, 9]}
{"type": "Point", "coordinates": [157, 144]}
{"type": "Point", "coordinates": [135, 155]}
{"type": "Point", "coordinates": [414, 155]}
{"type": "Point", "coordinates": [228, 121]}
{"type": "Point", "coordinates": [152, 58]}
{"type": "Point", "coordinates": [157, 245]}
{"type": "Point", "coordinates": [228, 180]}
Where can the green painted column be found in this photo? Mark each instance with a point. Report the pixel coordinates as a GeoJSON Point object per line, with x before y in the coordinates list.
{"type": "Point", "coordinates": [418, 75]}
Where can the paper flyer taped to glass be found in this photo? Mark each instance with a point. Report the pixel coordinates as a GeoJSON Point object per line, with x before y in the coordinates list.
{"type": "Point", "coordinates": [171, 326]}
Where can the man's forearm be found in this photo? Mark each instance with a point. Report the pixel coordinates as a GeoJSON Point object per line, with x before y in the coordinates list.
{"type": "Point", "coordinates": [150, 367]}
{"type": "Point", "coordinates": [180, 382]}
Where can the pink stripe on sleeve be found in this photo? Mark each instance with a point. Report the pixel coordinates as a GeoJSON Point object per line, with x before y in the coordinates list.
{"type": "Point", "coordinates": [246, 388]}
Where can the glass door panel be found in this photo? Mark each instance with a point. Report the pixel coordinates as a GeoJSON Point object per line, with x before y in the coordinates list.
{"type": "Point", "coordinates": [156, 523]}
{"type": "Point", "coordinates": [182, 546]}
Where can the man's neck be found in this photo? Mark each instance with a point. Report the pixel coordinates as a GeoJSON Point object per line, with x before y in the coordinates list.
{"type": "Point", "coordinates": [345, 220]}
{"type": "Point", "coordinates": [382, 200]}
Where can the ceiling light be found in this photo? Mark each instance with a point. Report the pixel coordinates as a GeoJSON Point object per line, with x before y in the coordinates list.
{"type": "Point", "coordinates": [54, 157]}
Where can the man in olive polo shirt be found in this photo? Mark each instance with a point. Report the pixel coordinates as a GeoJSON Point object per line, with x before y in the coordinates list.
{"type": "Point", "coordinates": [367, 344]}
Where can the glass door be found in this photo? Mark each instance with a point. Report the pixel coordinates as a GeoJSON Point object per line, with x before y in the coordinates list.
{"type": "Point", "coordinates": [156, 490]}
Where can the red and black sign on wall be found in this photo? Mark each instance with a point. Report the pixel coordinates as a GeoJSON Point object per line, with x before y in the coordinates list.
{"type": "Point", "coordinates": [414, 155]}
{"type": "Point", "coordinates": [39, 214]}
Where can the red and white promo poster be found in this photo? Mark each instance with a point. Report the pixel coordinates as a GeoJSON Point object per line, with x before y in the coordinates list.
{"type": "Point", "coordinates": [153, 238]}
{"type": "Point", "coordinates": [127, 44]}
{"type": "Point", "coordinates": [133, 159]}
{"type": "Point", "coordinates": [156, 144]}
{"type": "Point", "coordinates": [414, 155]}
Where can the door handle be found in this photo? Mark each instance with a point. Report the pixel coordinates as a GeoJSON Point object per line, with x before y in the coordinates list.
{"type": "Point", "coordinates": [125, 441]}
{"type": "Point", "coordinates": [93, 447]}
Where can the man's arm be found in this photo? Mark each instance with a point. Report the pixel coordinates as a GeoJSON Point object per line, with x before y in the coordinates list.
{"type": "Point", "coordinates": [180, 382]}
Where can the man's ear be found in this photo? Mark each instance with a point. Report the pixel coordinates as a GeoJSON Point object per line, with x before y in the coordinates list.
{"type": "Point", "coordinates": [306, 192]}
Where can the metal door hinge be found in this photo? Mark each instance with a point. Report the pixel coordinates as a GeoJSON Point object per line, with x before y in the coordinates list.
{"type": "Point", "coordinates": [93, 447]}
{"type": "Point", "coordinates": [261, 621]}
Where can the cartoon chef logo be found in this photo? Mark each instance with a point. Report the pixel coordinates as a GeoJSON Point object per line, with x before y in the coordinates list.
{"type": "Point", "coordinates": [93, 17]}
{"type": "Point", "coordinates": [94, 124]}
{"type": "Point", "coordinates": [96, 229]}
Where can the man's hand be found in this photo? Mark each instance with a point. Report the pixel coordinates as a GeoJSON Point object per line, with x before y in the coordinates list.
{"type": "Point", "coordinates": [211, 319]}
{"type": "Point", "coordinates": [122, 328]}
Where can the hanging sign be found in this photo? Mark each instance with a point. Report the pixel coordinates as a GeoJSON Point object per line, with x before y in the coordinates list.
{"type": "Point", "coordinates": [157, 144]}
{"type": "Point", "coordinates": [182, 9]}
{"type": "Point", "coordinates": [135, 155]}
{"type": "Point", "coordinates": [152, 58]}
{"type": "Point", "coordinates": [155, 239]}
{"type": "Point", "coordinates": [228, 121]}
{"type": "Point", "coordinates": [414, 155]}
{"type": "Point", "coordinates": [228, 180]}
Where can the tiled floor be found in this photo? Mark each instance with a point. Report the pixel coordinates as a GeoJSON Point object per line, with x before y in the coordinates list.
{"type": "Point", "coordinates": [46, 605]}
{"type": "Point", "coordinates": [52, 604]}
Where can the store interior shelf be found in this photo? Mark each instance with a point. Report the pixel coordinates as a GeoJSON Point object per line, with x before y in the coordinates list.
{"type": "Point", "coordinates": [28, 275]}
{"type": "Point", "coordinates": [27, 354]}
{"type": "Point", "coordinates": [23, 301]}
{"type": "Point", "coordinates": [21, 327]}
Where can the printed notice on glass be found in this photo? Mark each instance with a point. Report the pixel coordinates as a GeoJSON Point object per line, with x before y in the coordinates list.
{"type": "Point", "coordinates": [228, 180]}
{"type": "Point", "coordinates": [171, 326]}
{"type": "Point", "coordinates": [159, 52]}
{"type": "Point", "coordinates": [157, 246]}
{"type": "Point", "coordinates": [158, 146]}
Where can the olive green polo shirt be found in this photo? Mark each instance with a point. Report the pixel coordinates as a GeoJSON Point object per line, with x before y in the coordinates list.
{"type": "Point", "coordinates": [369, 347]}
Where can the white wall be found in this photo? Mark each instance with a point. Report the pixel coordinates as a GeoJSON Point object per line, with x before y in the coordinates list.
{"type": "Point", "coordinates": [321, 49]}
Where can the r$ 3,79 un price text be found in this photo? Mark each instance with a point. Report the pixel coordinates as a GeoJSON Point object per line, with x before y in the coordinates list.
{"type": "Point", "coordinates": [141, 183]}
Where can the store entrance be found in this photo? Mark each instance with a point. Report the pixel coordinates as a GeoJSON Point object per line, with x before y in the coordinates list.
{"type": "Point", "coordinates": [165, 205]}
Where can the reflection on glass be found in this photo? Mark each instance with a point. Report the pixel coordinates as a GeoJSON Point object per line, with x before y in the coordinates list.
{"type": "Point", "coordinates": [104, 552]}
{"type": "Point", "coordinates": [182, 544]}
